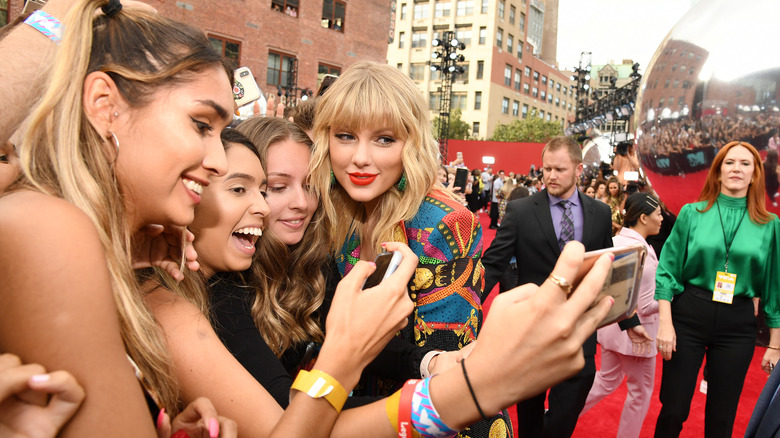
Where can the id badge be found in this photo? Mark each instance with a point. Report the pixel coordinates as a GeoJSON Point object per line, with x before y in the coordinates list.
{"type": "Point", "coordinates": [724, 287]}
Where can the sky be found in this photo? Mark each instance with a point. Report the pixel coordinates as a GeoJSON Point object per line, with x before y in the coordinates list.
{"type": "Point", "coordinates": [613, 30]}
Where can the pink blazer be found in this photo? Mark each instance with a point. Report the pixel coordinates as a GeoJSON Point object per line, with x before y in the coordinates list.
{"type": "Point", "coordinates": [611, 337]}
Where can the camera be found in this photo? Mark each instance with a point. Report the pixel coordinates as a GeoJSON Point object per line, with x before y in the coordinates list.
{"type": "Point", "coordinates": [622, 147]}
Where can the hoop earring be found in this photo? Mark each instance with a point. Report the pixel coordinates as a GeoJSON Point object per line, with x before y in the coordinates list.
{"type": "Point", "coordinates": [115, 141]}
{"type": "Point", "coordinates": [401, 184]}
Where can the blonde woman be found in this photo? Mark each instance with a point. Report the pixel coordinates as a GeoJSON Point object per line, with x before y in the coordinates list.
{"type": "Point", "coordinates": [123, 139]}
{"type": "Point", "coordinates": [506, 189]}
{"type": "Point", "coordinates": [375, 165]}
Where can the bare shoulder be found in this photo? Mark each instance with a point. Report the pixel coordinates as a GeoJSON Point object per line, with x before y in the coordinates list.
{"type": "Point", "coordinates": [169, 308]}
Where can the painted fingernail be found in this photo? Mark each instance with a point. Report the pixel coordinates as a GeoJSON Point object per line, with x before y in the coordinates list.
{"type": "Point", "coordinates": [180, 434]}
{"type": "Point", "coordinates": [40, 378]}
{"type": "Point", "coordinates": [611, 256]}
{"type": "Point", "coordinates": [611, 301]}
{"type": "Point", "coordinates": [160, 418]}
{"type": "Point", "coordinates": [213, 428]}
{"type": "Point", "coordinates": [372, 264]}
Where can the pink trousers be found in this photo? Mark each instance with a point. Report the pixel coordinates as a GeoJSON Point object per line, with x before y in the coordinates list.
{"type": "Point", "coordinates": [641, 375]}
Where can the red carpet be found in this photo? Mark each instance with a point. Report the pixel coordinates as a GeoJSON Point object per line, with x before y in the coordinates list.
{"type": "Point", "coordinates": [603, 419]}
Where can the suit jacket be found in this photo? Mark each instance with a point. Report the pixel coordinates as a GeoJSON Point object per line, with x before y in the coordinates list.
{"type": "Point", "coordinates": [527, 233]}
{"type": "Point", "coordinates": [765, 421]}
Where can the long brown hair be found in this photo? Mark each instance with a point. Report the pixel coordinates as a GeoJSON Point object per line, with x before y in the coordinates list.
{"type": "Point", "coordinates": [288, 280]}
{"type": "Point", "coordinates": [756, 205]}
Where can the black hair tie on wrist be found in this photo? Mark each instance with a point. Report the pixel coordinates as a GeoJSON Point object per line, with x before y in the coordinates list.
{"type": "Point", "coordinates": [111, 8]}
{"type": "Point", "coordinates": [471, 390]}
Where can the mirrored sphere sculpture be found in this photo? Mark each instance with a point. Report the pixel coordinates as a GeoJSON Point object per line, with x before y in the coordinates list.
{"type": "Point", "coordinates": [714, 79]}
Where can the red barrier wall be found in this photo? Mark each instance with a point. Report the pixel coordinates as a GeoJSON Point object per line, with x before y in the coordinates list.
{"type": "Point", "coordinates": [510, 156]}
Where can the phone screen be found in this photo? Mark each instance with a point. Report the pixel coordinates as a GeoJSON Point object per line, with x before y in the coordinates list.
{"type": "Point", "coordinates": [386, 264]}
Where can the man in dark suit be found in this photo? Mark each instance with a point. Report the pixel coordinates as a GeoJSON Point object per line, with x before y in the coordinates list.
{"type": "Point", "coordinates": [534, 230]}
{"type": "Point", "coordinates": [765, 421]}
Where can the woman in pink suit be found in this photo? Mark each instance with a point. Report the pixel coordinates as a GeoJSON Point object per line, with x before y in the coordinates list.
{"type": "Point", "coordinates": [619, 356]}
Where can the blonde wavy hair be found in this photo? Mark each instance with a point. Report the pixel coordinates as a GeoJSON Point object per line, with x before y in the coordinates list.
{"type": "Point", "coordinates": [65, 156]}
{"type": "Point", "coordinates": [288, 281]}
{"type": "Point", "coordinates": [374, 95]}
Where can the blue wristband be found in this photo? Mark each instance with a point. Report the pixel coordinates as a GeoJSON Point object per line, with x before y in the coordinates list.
{"type": "Point", "coordinates": [45, 24]}
{"type": "Point", "coordinates": [425, 418]}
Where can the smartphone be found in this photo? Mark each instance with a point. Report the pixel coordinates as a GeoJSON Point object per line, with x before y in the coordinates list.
{"type": "Point", "coordinates": [33, 5]}
{"type": "Point", "coordinates": [386, 264]}
{"type": "Point", "coordinates": [622, 282]}
{"type": "Point", "coordinates": [245, 89]}
{"type": "Point", "coordinates": [461, 177]}
{"type": "Point", "coordinates": [327, 81]}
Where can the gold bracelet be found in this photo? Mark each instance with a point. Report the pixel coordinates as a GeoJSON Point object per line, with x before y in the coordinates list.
{"type": "Point", "coordinates": [772, 347]}
{"type": "Point", "coordinates": [319, 384]}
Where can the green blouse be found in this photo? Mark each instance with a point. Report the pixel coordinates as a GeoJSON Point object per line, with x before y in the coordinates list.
{"type": "Point", "coordinates": [695, 251]}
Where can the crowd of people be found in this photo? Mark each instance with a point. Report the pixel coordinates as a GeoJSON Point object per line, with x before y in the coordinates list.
{"type": "Point", "coordinates": [168, 271]}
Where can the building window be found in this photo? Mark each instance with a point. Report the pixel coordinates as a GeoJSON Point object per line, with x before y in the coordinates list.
{"type": "Point", "coordinates": [521, 23]}
{"type": "Point", "coordinates": [512, 10]}
{"type": "Point", "coordinates": [480, 69]}
{"type": "Point", "coordinates": [548, 117]}
{"type": "Point", "coordinates": [442, 9]}
{"type": "Point", "coordinates": [289, 7]}
{"type": "Point", "coordinates": [518, 77]}
{"type": "Point", "coordinates": [549, 97]}
{"type": "Point", "coordinates": [541, 114]}
{"type": "Point", "coordinates": [509, 39]}
{"type": "Point", "coordinates": [482, 35]}
{"type": "Point", "coordinates": [279, 67]}
{"type": "Point", "coordinates": [527, 71]}
{"type": "Point", "coordinates": [433, 101]}
{"type": "Point", "coordinates": [477, 100]}
{"type": "Point", "coordinates": [557, 102]}
{"type": "Point", "coordinates": [558, 86]}
{"type": "Point", "coordinates": [552, 84]}
{"type": "Point", "coordinates": [3, 12]}
{"type": "Point", "coordinates": [459, 100]}
{"type": "Point", "coordinates": [325, 69]}
{"type": "Point", "coordinates": [526, 88]}
{"type": "Point", "coordinates": [403, 11]}
{"type": "Point", "coordinates": [420, 10]}
{"type": "Point", "coordinates": [464, 36]}
{"type": "Point", "coordinates": [536, 75]}
{"type": "Point", "coordinates": [465, 75]}
{"type": "Point", "coordinates": [543, 95]}
{"type": "Point", "coordinates": [419, 39]}
{"type": "Point", "coordinates": [484, 6]}
{"type": "Point", "coordinates": [230, 49]}
{"type": "Point", "coordinates": [475, 129]}
{"type": "Point", "coordinates": [333, 14]}
{"type": "Point", "coordinates": [400, 66]}
{"type": "Point", "coordinates": [499, 37]}
{"type": "Point", "coordinates": [505, 106]}
{"type": "Point", "coordinates": [544, 80]}
{"type": "Point", "coordinates": [525, 110]}
{"type": "Point", "coordinates": [520, 50]}
{"type": "Point", "coordinates": [465, 7]}
{"type": "Point", "coordinates": [535, 92]}
{"type": "Point", "coordinates": [515, 107]}
{"type": "Point", "coordinates": [508, 75]}
{"type": "Point", "coordinates": [417, 71]}
{"type": "Point", "coordinates": [401, 40]}
{"type": "Point", "coordinates": [501, 8]}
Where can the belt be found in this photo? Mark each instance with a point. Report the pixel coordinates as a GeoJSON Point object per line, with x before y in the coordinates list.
{"type": "Point", "coordinates": [707, 294]}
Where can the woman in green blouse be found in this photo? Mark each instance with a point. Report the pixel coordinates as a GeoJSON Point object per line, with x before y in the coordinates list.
{"type": "Point", "coordinates": [720, 260]}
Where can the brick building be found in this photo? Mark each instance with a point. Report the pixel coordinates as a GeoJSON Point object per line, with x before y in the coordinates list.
{"type": "Point", "coordinates": [323, 36]}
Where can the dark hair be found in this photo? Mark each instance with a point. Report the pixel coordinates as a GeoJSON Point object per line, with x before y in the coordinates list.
{"type": "Point", "coordinates": [637, 205]}
{"type": "Point", "coordinates": [518, 192]}
{"type": "Point", "coordinates": [231, 135]}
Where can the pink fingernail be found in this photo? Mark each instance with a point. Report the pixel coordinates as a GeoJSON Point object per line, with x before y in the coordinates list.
{"type": "Point", "coordinates": [372, 264]}
{"type": "Point", "coordinates": [611, 301]}
{"type": "Point", "coordinates": [213, 428]}
{"type": "Point", "coordinates": [611, 256]}
{"type": "Point", "coordinates": [160, 417]}
{"type": "Point", "coordinates": [40, 378]}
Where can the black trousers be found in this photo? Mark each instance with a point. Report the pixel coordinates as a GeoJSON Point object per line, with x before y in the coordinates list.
{"type": "Point", "coordinates": [726, 334]}
{"type": "Point", "coordinates": [566, 401]}
{"type": "Point", "coordinates": [493, 214]}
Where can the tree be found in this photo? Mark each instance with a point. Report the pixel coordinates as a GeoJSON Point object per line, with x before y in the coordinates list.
{"type": "Point", "coordinates": [459, 130]}
{"type": "Point", "coordinates": [533, 129]}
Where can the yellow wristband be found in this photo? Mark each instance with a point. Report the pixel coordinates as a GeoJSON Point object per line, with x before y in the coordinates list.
{"type": "Point", "coordinates": [318, 384]}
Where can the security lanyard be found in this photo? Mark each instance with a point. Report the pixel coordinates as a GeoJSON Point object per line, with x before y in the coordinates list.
{"type": "Point", "coordinates": [723, 228]}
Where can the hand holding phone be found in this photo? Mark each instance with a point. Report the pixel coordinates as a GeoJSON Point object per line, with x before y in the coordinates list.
{"type": "Point", "coordinates": [622, 282]}
{"type": "Point", "coordinates": [386, 264]}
